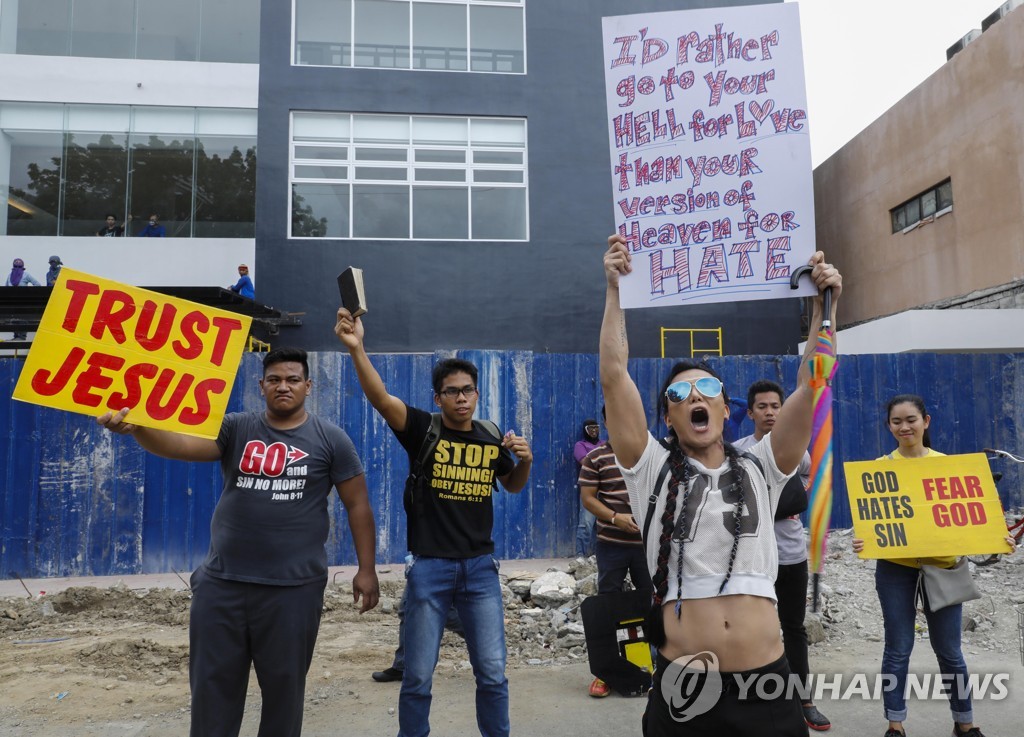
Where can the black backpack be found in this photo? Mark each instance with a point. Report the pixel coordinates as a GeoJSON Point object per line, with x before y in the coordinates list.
{"type": "Point", "coordinates": [412, 498]}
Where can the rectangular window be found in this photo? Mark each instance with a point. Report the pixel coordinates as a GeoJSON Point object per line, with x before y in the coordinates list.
{"type": "Point", "coordinates": [933, 202]}
{"type": "Point", "coordinates": [406, 177]}
{"type": "Point", "coordinates": [182, 30]}
{"type": "Point", "coordinates": [437, 35]}
{"type": "Point", "coordinates": [72, 165]}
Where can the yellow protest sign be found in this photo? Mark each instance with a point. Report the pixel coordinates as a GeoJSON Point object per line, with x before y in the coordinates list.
{"type": "Point", "coordinates": [926, 507]}
{"type": "Point", "coordinates": [102, 345]}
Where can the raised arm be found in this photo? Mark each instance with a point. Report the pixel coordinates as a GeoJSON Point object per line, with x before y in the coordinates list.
{"type": "Point", "coordinates": [350, 332]}
{"type": "Point", "coordinates": [792, 431]}
{"type": "Point", "coordinates": [354, 496]}
{"type": "Point", "coordinates": [626, 422]}
{"type": "Point", "coordinates": [166, 444]}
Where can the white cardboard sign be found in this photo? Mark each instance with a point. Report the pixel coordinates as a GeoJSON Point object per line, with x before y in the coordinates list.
{"type": "Point", "coordinates": [710, 154]}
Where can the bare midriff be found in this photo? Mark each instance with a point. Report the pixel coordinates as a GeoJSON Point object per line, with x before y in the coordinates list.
{"type": "Point", "coordinates": [741, 630]}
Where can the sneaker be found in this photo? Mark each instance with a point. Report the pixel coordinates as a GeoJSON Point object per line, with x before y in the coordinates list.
{"type": "Point", "coordinates": [599, 689]}
{"type": "Point", "coordinates": [972, 732]}
{"type": "Point", "coordinates": [894, 733]}
{"type": "Point", "coordinates": [387, 675]}
{"type": "Point", "coordinates": [815, 719]}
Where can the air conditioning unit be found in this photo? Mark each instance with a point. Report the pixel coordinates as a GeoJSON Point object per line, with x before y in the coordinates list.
{"type": "Point", "coordinates": [1001, 12]}
{"type": "Point", "coordinates": [956, 48]}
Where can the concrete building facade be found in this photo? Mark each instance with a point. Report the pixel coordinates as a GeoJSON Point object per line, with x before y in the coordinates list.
{"type": "Point", "coordinates": [498, 249]}
{"type": "Point", "coordinates": [925, 207]}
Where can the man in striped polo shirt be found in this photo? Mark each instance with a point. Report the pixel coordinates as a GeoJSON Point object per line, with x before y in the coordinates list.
{"type": "Point", "coordinates": [619, 547]}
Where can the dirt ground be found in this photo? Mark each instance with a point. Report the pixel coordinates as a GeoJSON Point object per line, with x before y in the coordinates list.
{"type": "Point", "coordinates": [114, 661]}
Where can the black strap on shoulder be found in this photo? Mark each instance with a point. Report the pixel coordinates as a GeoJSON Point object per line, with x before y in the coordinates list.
{"type": "Point", "coordinates": [429, 443]}
{"type": "Point", "coordinates": [753, 459]}
{"type": "Point", "coordinates": [665, 468]}
{"type": "Point", "coordinates": [653, 500]}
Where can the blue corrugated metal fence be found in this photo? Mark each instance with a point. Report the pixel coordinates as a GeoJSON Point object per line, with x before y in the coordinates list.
{"type": "Point", "coordinates": [77, 500]}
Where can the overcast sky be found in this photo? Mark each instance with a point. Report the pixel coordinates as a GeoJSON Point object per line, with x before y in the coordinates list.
{"type": "Point", "coordinates": [861, 57]}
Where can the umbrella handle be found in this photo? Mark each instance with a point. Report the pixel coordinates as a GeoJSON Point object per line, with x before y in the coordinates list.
{"type": "Point", "coordinates": [794, 279]}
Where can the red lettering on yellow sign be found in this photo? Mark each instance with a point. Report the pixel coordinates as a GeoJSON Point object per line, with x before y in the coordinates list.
{"type": "Point", "coordinates": [954, 487]}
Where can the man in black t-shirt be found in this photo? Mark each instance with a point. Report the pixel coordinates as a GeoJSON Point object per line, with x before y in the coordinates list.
{"type": "Point", "coordinates": [258, 596]}
{"type": "Point", "coordinates": [111, 229]}
{"type": "Point", "coordinates": [450, 516]}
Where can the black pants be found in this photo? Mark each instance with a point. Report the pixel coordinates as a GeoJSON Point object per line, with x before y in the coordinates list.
{"type": "Point", "coordinates": [730, 716]}
{"type": "Point", "coordinates": [791, 591]}
{"type": "Point", "coordinates": [234, 625]}
{"type": "Point", "coordinates": [615, 561]}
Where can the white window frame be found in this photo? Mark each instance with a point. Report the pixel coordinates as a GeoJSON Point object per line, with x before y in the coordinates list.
{"type": "Point", "coordinates": [409, 166]}
{"type": "Point", "coordinates": [469, 40]}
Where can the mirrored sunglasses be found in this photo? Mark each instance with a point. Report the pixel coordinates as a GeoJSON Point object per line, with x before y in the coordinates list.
{"type": "Point", "coordinates": [708, 386]}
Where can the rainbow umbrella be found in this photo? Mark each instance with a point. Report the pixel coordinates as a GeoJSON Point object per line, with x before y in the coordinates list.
{"type": "Point", "coordinates": [823, 367]}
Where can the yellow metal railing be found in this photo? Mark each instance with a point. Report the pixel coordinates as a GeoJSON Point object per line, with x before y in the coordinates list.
{"type": "Point", "coordinates": [716, 350]}
{"type": "Point", "coordinates": [256, 345]}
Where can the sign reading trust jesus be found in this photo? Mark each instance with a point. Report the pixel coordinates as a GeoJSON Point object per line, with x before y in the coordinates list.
{"type": "Point", "coordinates": [710, 155]}
{"type": "Point", "coordinates": [104, 346]}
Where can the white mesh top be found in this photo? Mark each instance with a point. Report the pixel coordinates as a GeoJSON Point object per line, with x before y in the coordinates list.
{"type": "Point", "coordinates": [710, 523]}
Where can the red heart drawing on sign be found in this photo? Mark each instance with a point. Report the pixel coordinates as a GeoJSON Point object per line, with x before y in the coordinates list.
{"type": "Point", "coordinates": [761, 112]}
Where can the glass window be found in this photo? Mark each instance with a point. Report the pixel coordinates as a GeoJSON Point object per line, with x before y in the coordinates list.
{"type": "Point", "coordinates": [438, 131]}
{"type": "Point", "coordinates": [913, 209]}
{"type": "Point", "coordinates": [230, 31]}
{"type": "Point", "coordinates": [320, 210]}
{"type": "Point", "coordinates": [323, 32]}
{"type": "Point", "coordinates": [434, 156]}
{"type": "Point", "coordinates": [305, 171]}
{"type": "Point", "coordinates": [496, 39]}
{"type": "Point", "coordinates": [321, 127]}
{"type": "Point", "coordinates": [95, 180]}
{"type": "Point", "coordinates": [103, 28]}
{"type": "Point", "coordinates": [899, 219]}
{"type": "Point", "coordinates": [225, 186]}
{"type": "Point", "coordinates": [380, 211]}
{"type": "Point", "coordinates": [440, 212]}
{"type": "Point", "coordinates": [438, 199]}
{"type": "Point", "coordinates": [438, 36]}
{"type": "Point", "coordinates": [322, 152]}
{"type": "Point", "coordinates": [381, 154]}
{"type": "Point", "coordinates": [440, 175]}
{"type": "Point", "coordinates": [32, 188]}
{"type": "Point", "coordinates": [380, 129]}
{"type": "Point", "coordinates": [161, 182]}
{"type": "Point", "coordinates": [944, 195]}
{"type": "Point", "coordinates": [43, 27]}
{"type": "Point", "coordinates": [168, 30]}
{"type": "Point", "coordinates": [382, 34]}
{"type": "Point", "coordinates": [928, 204]}
{"type": "Point", "coordinates": [497, 176]}
{"type": "Point", "coordinates": [64, 179]}
{"type": "Point", "coordinates": [499, 213]}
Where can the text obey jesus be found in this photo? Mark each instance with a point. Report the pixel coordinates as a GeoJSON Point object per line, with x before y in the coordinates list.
{"type": "Point", "coordinates": [104, 346]}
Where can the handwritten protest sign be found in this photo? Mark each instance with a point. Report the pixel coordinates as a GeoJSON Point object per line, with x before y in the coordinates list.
{"type": "Point", "coordinates": [934, 506]}
{"type": "Point", "coordinates": [102, 345]}
{"type": "Point", "coordinates": [710, 155]}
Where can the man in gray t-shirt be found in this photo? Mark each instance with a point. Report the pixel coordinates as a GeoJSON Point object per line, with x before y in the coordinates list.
{"type": "Point", "coordinates": [764, 400]}
{"type": "Point", "coordinates": [258, 596]}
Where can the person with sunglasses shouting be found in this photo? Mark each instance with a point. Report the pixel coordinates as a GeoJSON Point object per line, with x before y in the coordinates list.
{"type": "Point", "coordinates": [450, 519]}
{"type": "Point", "coordinates": [706, 513]}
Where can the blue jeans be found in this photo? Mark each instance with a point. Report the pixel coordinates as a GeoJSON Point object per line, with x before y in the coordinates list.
{"type": "Point", "coordinates": [897, 589]}
{"type": "Point", "coordinates": [585, 532]}
{"type": "Point", "coordinates": [432, 586]}
{"type": "Point", "coordinates": [452, 623]}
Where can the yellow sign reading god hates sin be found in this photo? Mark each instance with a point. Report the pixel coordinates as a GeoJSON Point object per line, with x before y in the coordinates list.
{"type": "Point", "coordinates": [926, 507]}
{"type": "Point", "coordinates": [104, 346]}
